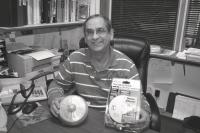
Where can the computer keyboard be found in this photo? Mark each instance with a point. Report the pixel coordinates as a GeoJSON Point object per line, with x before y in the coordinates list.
{"type": "Point", "coordinates": [38, 94]}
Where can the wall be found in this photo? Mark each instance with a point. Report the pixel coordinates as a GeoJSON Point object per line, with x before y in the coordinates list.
{"type": "Point", "coordinates": [160, 78]}
{"type": "Point", "coordinates": [168, 77]}
{"type": "Point", "coordinates": [49, 38]}
{"type": "Point", "coordinates": [105, 8]}
{"type": "Point", "coordinates": [189, 83]}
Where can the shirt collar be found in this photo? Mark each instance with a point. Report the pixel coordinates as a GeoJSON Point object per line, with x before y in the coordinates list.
{"type": "Point", "coordinates": [111, 59]}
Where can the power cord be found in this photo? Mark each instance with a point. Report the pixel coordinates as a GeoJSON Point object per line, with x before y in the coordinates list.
{"type": "Point", "coordinates": [13, 108]}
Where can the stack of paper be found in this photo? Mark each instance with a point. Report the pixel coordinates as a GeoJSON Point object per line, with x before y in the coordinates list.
{"type": "Point", "coordinates": [156, 49]}
{"type": "Point", "coordinates": [193, 51]}
{"type": "Point", "coordinates": [193, 54]}
{"type": "Point", "coordinates": [41, 113]}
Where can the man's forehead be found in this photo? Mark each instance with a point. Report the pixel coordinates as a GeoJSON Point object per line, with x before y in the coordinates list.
{"type": "Point", "coordinates": [95, 23]}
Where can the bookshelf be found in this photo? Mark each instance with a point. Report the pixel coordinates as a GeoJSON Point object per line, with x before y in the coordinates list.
{"type": "Point", "coordinates": [31, 14]}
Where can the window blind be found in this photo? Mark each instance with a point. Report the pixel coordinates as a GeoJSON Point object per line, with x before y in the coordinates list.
{"type": "Point", "coordinates": [154, 20]}
{"type": "Point", "coordinates": [193, 23]}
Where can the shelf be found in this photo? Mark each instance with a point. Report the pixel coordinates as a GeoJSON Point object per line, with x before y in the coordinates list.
{"type": "Point", "coordinates": [40, 26]}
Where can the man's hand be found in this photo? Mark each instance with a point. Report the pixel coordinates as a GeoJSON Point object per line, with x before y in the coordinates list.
{"type": "Point", "coordinates": [144, 117]}
{"type": "Point", "coordinates": [55, 106]}
{"type": "Point", "coordinates": [143, 122]}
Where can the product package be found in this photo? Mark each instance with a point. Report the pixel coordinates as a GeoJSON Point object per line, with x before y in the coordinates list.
{"type": "Point", "coordinates": [123, 104]}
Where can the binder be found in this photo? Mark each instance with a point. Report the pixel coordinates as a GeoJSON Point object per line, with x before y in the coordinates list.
{"type": "Point", "coordinates": [59, 10]}
{"type": "Point", "coordinates": [10, 18]}
{"type": "Point", "coordinates": [36, 12]}
{"type": "Point", "coordinates": [45, 11]}
{"type": "Point", "coordinates": [73, 10]}
{"type": "Point", "coordinates": [66, 11]}
{"type": "Point", "coordinates": [21, 13]}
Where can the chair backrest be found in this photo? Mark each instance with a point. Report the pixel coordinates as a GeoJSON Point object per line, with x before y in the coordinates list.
{"type": "Point", "coordinates": [136, 49]}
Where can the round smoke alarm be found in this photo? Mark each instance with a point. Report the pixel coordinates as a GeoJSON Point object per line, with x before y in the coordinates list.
{"type": "Point", "coordinates": [73, 110]}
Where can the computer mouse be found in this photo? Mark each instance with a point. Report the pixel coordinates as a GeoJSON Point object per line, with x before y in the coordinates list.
{"type": "Point", "coordinates": [29, 107]}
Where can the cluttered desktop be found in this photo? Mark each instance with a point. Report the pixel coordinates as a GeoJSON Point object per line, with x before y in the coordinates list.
{"type": "Point", "coordinates": [23, 95]}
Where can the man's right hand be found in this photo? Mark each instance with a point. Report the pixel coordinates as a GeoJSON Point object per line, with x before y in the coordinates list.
{"type": "Point", "coordinates": [55, 106]}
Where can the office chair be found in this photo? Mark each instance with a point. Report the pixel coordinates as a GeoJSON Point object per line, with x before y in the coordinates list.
{"type": "Point", "coordinates": [138, 50]}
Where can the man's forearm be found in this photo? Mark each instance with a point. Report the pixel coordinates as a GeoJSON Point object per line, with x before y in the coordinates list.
{"type": "Point", "coordinates": [52, 96]}
{"type": "Point", "coordinates": [54, 91]}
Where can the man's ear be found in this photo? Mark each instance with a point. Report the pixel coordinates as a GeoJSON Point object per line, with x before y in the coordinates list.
{"type": "Point", "coordinates": [111, 34]}
{"type": "Point", "coordinates": [85, 44]}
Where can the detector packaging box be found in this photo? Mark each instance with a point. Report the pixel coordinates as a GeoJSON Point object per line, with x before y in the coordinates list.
{"type": "Point", "coordinates": [123, 104]}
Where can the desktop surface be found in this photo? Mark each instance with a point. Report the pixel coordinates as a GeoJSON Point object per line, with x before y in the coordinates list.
{"type": "Point", "coordinates": [93, 124]}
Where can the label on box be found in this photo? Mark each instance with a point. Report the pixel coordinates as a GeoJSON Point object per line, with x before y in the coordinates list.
{"type": "Point", "coordinates": [123, 104]}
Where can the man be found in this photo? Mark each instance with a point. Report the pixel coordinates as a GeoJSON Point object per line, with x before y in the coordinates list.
{"type": "Point", "coordinates": [89, 71]}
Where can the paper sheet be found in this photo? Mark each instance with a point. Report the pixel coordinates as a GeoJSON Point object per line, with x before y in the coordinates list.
{"type": "Point", "coordinates": [193, 51]}
{"type": "Point", "coordinates": [160, 71]}
{"type": "Point", "coordinates": [41, 113]}
{"type": "Point", "coordinates": [40, 55]}
{"type": "Point", "coordinates": [185, 107]}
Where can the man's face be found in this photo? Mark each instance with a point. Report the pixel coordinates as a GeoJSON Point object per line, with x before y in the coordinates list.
{"type": "Point", "coordinates": [97, 35]}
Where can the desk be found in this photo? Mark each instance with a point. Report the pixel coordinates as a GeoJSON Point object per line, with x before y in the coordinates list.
{"type": "Point", "coordinates": [174, 59]}
{"type": "Point", "coordinates": [93, 124]}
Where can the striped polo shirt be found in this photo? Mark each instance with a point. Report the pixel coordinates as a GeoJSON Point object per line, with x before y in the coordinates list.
{"type": "Point", "coordinates": [78, 73]}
